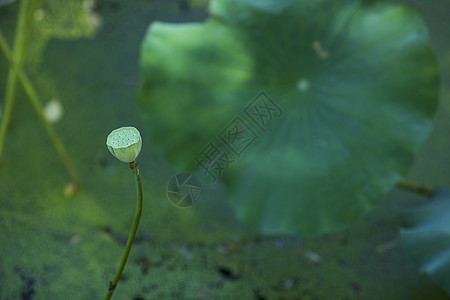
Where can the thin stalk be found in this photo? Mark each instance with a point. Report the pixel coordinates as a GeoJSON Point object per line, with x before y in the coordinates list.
{"type": "Point", "coordinates": [28, 26]}
{"type": "Point", "coordinates": [17, 56]}
{"type": "Point", "coordinates": [134, 227]}
{"type": "Point", "coordinates": [32, 95]}
{"type": "Point", "coordinates": [414, 187]}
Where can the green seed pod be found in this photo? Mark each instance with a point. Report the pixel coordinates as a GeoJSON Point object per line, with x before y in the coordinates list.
{"type": "Point", "coordinates": [124, 143]}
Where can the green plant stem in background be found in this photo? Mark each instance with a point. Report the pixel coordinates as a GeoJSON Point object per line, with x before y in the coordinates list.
{"type": "Point", "coordinates": [32, 95]}
{"type": "Point", "coordinates": [414, 187]}
{"type": "Point", "coordinates": [17, 56]}
{"type": "Point", "coordinates": [137, 216]}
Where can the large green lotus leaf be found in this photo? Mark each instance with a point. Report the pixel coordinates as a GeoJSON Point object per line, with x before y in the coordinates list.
{"type": "Point", "coordinates": [426, 237]}
{"type": "Point", "coordinates": [191, 74]}
{"type": "Point", "coordinates": [356, 84]}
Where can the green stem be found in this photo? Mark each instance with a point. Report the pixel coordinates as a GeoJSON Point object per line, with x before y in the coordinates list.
{"type": "Point", "coordinates": [32, 95]}
{"type": "Point", "coordinates": [137, 216]}
{"type": "Point", "coordinates": [17, 56]}
{"type": "Point", "coordinates": [414, 187]}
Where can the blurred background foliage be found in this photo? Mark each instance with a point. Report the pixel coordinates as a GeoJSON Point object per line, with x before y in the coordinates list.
{"type": "Point", "coordinates": [343, 113]}
{"type": "Point", "coordinates": [85, 54]}
{"type": "Point", "coordinates": [426, 236]}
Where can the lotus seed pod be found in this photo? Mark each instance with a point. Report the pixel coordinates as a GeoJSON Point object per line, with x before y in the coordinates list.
{"type": "Point", "coordinates": [124, 143]}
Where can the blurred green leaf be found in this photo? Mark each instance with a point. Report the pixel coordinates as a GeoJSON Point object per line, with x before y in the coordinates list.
{"type": "Point", "coordinates": [5, 2]}
{"type": "Point", "coordinates": [426, 237]}
{"type": "Point", "coordinates": [185, 68]}
{"type": "Point", "coordinates": [357, 82]}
